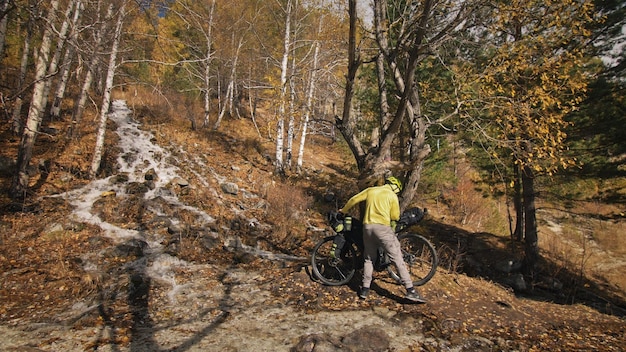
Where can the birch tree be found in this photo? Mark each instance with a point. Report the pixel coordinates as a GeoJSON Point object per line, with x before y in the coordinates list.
{"type": "Point", "coordinates": [55, 111]}
{"type": "Point", "coordinates": [4, 19]}
{"type": "Point", "coordinates": [19, 100]}
{"type": "Point", "coordinates": [61, 33]}
{"type": "Point", "coordinates": [291, 125]}
{"type": "Point", "coordinates": [309, 106]}
{"type": "Point", "coordinates": [282, 98]}
{"type": "Point", "coordinates": [207, 66]}
{"type": "Point", "coordinates": [94, 58]}
{"type": "Point", "coordinates": [20, 182]}
{"type": "Point", "coordinates": [230, 89]}
{"type": "Point", "coordinates": [106, 99]}
{"type": "Point", "coordinates": [187, 34]}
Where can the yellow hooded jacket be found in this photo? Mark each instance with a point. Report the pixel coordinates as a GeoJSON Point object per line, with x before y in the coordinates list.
{"type": "Point", "coordinates": [381, 205]}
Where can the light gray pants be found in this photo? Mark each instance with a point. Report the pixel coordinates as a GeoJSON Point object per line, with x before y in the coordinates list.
{"type": "Point", "coordinates": [374, 236]}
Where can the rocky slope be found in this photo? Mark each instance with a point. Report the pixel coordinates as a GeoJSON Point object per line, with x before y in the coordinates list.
{"type": "Point", "coordinates": [173, 252]}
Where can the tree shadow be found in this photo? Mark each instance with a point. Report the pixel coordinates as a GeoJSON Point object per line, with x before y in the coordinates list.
{"type": "Point", "coordinates": [482, 255]}
{"type": "Point", "coordinates": [142, 328]}
{"type": "Point", "coordinates": [138, 299]}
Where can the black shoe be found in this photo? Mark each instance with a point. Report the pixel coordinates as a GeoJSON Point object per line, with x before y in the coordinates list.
{"type": "Point", "coordinates": [413, 296]}
{"type": "Point", "coordinates": [364, 292]}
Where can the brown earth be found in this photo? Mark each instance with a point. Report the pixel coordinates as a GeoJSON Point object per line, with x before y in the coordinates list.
{"type": "Point", "coordinates": [227, 297]}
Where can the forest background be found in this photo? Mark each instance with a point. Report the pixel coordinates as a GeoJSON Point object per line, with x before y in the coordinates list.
{"type": "Point", "coordinates": [466, 101]}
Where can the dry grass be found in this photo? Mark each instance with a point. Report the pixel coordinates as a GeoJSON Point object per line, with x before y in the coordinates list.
{"type": "Point", "coordinates": [238, 153]}
{"type": "Point", "coordinates": [586, 248]}
{"type": "Point", "coordinates": [287, 210]}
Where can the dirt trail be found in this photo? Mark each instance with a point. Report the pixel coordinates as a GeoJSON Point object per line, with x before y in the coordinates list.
{"type": "Point", "coordinates": [208, 316]}
{"type": "Point", "coordinates": [115, 282]}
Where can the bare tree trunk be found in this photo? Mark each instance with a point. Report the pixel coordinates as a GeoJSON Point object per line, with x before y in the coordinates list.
{"type": "Point", "coordinates": [53, 66]}
{"type": "Point", "coordinates": [106, 99]}
{"type": "Point", "coordinates": [207, 94]}
{"type": "Point", "coordinates": [4, 20]}
{"type": "Point", "coordinates": [252, 103]}
{"type": "Point", "coordinates": [81, 101]}
{"type": "Point", "coordinates": [401, 55]}
{"type": "Point", "coordinates": [233, 78]}
{"type": "Point", "coordinates": [227, 98]}
{"type": "Point", "coordinates": [230, 90]}
{"type": "Point", "coordinates": [382, 89]}
{"type": "Point", "coordinates": [219, 95]}
{"type": "Point", "coordinates": [198, 17]}
{"type": "Point", "coordinates": [518, 204]}
{"type": "Point", "coordinates": [21, 180]}
{"type": "Point", "coordinates": [207, 67]}
{"type": "Point", "coordinates": [531, 243]}
{"type": "Point", "coordinates": [419, 151]}
{"type": "Point", "coordinates": [292, 116]}
{"type": "Point", "coordinates": [280, 127]}
{"type": "Point", "coordinates": [19, 100]}
{"type": "Point", "coordinates": [79, 105]}
{"type": "Point", "coordinates": [55, 111]}
{"type": "Point", "coordinates": [309, 107]}
{"type": "Point", "coordinates": [346, 124]}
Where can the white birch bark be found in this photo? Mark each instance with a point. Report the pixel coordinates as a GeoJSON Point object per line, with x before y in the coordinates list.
{"type": "Point", "coordinates": [292, 113]}
{"type": "Point", "coordinates": [106, 99]}
{"type": "Point", "coordinates": [230, 90]}
{"type": "Point", "coordinates": [55, 111]}
{"type": "Point", "coordinates": [251, 98]}
{"type": "Point", "coordinates": [19, 185]}
{"type": "Point", "coordinates": [207, 93]}
{"type": "Point", "coordinates": [79, 105]}
{"type": "Point", "coordinates": [53, 66]}
{"type": "Point", "coordinates": [207, 67]}
{"type": "Point", "coordinates": [233, 79]}
{"type": "Point", "coordinates": [219, 89]}
{"type": "Point", "coordinates": [19, 100]}
{"type": "Point", "coordinates": [309, 107]}
{"type": "Point", "coordinates": [280, 126]}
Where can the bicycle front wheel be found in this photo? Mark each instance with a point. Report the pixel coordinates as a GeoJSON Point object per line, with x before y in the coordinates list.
{"type": "Point", "coordinates": [331, 270]}
{"type": "Point", "coordinates": [419, 256]}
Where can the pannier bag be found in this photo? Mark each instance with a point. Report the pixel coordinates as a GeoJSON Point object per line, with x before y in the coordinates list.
{"type": "Point", "coordinates": [338, 242]}
{"type": "Point", "coordinates": [411, 217]}
{"type": "Point", "coordinates": [343, 225]}
{"type": "Point", "coordinates": [335, 220]}
{"type": "Point", "coordinates": [340, 223]}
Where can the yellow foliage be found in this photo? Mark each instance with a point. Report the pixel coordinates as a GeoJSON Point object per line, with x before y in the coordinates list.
{"type": "Point", "coordinates": [539, 78]}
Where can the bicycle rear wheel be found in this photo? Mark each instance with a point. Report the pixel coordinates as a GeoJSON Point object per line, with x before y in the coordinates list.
{"type": "Point", "coordinates": [420, 257]}
{"type": "Point", "coordinates": [333, 271]}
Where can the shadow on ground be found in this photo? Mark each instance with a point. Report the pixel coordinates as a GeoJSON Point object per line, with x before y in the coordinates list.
{"type": "Point", "coordinates": [487, 256]}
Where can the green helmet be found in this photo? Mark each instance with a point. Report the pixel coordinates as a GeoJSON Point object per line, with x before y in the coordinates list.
{"type": "Point", "coordinates": [396, 185]}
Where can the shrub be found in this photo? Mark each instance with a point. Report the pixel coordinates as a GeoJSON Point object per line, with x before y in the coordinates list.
{"type": "Point", "coordinates": [287, 207]}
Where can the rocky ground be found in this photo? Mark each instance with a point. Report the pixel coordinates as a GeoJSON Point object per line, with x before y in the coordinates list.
{"type": "Point", "coordinates": [273, 305]}
{"type": "Point", "coordinates": [161, 257]}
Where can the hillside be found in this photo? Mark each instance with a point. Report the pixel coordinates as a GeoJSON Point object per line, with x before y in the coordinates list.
{"type": "Point", "coordinates": [188, 242]}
